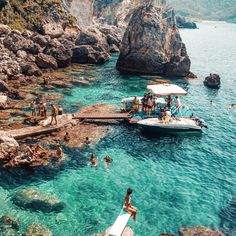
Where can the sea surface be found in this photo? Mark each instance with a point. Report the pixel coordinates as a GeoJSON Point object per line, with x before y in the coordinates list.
{"type": "Point", "coordinates": [177, 181]}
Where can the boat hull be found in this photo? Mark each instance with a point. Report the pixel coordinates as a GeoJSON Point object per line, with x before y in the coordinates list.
{"type": "Point", "coordinates": [154, 126]}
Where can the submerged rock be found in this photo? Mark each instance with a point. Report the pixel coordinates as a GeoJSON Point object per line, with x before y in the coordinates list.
{"type": "Point", "coordinates": [33, 199]}
{"type": "Point", "coordinates": [199, 231]}
{"type": "Point", "coordinates": [37, 230]}
{"type": "Point", "coordinates": [212, 81]}
{"type": "Point", "coordinates": [8, 226]}
{"type": "Point", "coordinates": [152, 43]}
{"type": "Point", "coordinates": [228, 217]}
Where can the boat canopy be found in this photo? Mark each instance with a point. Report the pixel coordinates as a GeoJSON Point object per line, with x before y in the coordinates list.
{"type": "Point", "coordinates": [166, 90]}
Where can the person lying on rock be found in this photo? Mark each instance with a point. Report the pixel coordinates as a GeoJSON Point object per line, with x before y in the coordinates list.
{"type": "Point", "coordinates": [39, 151]}
{"type": "Point", "coordinates": [93, 160]}
{"type": "Point", "coordinates": [107, 161]}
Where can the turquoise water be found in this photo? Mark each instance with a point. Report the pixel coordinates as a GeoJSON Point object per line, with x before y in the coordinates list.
{"type": "Point", "coordinates": [177, 180]}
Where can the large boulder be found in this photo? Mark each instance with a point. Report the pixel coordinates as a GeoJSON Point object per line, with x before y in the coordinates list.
{"type": "Point", "coordinates": [44, 61]}
{"type": "Point", "coordinates": [37, 230]}
{"type": "Point", "coordinates": [4, 87]}
{"type": "Point", "coordinates": [8, 147]}
{"type": "Point", "coordinates": [15, 41]}
{"type": "Point", "coordinates": [182, 22]}
{"type": "Point", "coordinates": [152, 43]}
{"type": "Point", "coordinates": [9, 64]}
{"type": "Point", "coordinates": [42, 40]}
{"type": "Point", "coordinates": [54, 30]}
{"type": "Point", "coordinates": [33, 199]}
{"type": "Point", "coordinates": [199, 231]}
{"type": "Point", "coordinates": [8, 226]}
{"type": "Point", "coordinates": [61, 50]}
{"type": "Point", "coordinates": [30, 68]}
{"type": "Point", "coordinates": [89, 54]}
{"type": "Point", "coordinates": [212, 81]}
{"type": "Point", "coordinates": [4, 29]}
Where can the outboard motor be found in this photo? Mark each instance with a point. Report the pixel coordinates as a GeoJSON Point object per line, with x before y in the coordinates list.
{"type": "Point", "coordinates": [201, 123]}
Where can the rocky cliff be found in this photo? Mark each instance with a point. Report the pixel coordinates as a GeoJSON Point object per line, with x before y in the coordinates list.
{"type": "Point", "coordinates": [152, 43]}
{"type": "Point", "coordinates": [81, 10]}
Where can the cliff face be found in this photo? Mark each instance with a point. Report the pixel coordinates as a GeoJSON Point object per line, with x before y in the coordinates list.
{"type": "Point", "coordinates": [152, 43]}
{"type": "Point", "coordinates": [82, 10]}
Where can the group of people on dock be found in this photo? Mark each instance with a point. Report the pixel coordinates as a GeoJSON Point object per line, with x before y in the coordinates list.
{"type": "Point", "coordinates": [39, 108]}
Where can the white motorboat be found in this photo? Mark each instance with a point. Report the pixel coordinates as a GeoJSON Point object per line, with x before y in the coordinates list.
{"type": "Point", "coordinates": [171, 125]}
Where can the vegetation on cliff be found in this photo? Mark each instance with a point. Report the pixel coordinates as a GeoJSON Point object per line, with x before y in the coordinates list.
{"type": "Point", "coordinates": [31, 14]}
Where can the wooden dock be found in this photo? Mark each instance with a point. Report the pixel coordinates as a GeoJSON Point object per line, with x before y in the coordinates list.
{"type": "Point", "coordinates": [42, 129]}
{"type": "Point", "coordinates": [63, 120]}
{"type": "Point", "coordinates": [103, 116]}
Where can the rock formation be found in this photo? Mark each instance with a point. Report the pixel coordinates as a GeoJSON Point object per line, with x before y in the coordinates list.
{"type": "Point", "coordinates": [212, 81]}
{"type": "Point", "coordinates": [33, 199]}
{"type": "Point", "coordinates": [152, 44]}
{"type": "Point", "coordinates": [36, 230]}
{"type": "Point", "coordinates": [199, 231]}
{"type": "Point", "coordinates": [8, 146]}
{"type": "Point", "coordinates": [8, 226]}
{"type": "Point", "coordinates": [184, 23]}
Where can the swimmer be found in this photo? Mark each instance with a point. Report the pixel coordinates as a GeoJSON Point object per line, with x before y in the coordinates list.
{"type": "Point", "coordinates": [232, 106]}
{"type": "Point", "coordinates": [93, 160]}
{"type": "Point", "coordinates": [107, 161]}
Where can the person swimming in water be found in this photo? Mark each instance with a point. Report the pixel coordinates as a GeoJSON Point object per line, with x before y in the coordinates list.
{"type": "Point", "coordinates": [127, 206]}
{"type": "Point", "coordinates": [107, 161]}
{"type": "Point", "coordinates": [93, 160]}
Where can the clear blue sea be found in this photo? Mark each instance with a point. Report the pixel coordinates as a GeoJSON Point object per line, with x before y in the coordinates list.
{"type": "Point", "coordinates": [178, 181]}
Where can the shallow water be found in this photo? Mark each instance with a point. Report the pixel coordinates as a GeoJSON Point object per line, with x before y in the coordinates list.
{"type": "Point", "coordinates": [178, 181]}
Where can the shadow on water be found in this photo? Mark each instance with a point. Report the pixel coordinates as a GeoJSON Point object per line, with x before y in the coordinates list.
{"type": "Point", "coordinates": [228, 218]}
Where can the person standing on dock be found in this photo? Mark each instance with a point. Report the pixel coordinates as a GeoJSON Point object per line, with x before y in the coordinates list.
{"type": "Point", "coordinates": [33, 107]}
{"type": "Point", "coordinates": [127, 206]}
{"type": "Point", "coordinates": [53, 114]}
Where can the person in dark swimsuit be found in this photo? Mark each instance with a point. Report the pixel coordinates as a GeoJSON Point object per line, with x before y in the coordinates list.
{"type": "Point", "coordinates": [127, 206]}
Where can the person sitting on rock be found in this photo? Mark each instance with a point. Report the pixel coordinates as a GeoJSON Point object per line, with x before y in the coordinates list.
{"type": "Point", "coordinates": [107, 161]}
{"type": "Point", "coordinates": [93, 160]}
{"type": "Point", "coordinates": [53, 114]}
{"type": "Point", "coordinates": [59, 152]}
{"type": "Point", "coordinates": [67, 137]}
{"type": "Point", "coordinates": [127, 206]}
{"type": "Point", "coordinates": [87, 141]}
{"type": "Point", "coordinates": [60, 110]}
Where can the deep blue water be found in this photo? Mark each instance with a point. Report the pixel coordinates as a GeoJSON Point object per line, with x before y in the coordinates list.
{"type": "Point", "coordinates": [178, 181]}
